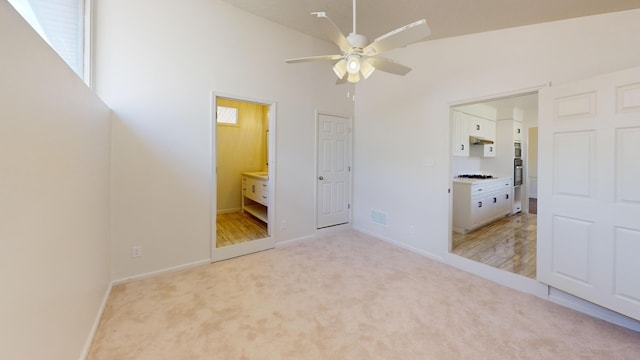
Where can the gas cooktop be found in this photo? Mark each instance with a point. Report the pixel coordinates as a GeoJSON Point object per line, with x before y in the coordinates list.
{"type": "Point", "coordinates": [475, 176]}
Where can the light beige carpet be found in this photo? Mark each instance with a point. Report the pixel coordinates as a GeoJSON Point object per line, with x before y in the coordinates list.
{"type": "Point", "coordinates": [344, 296]}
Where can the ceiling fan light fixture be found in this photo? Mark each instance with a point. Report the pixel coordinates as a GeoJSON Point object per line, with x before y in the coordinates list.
{"type": "Point", "coordinates": [354, 78]}
{"type": "Point", "coordinates": [340, 68]}
{"type": "Point", "coordinates": [366, 69]}
{"type": "Point", "coordinates": [353, 64]}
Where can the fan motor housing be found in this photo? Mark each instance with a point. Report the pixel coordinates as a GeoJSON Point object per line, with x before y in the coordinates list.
{"type": "Point", "coordinates": [357, 40]}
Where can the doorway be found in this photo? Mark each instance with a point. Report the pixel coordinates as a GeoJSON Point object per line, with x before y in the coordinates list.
{"type": "Point", "coordinates": [243, 179]}
{"type": "Point", "coordinates": [491, 221]}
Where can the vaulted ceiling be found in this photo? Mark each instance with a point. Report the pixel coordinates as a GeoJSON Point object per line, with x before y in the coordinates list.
{"type": "Point", "coordinates": [445, 17]}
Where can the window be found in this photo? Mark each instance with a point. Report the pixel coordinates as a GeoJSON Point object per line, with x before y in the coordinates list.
{"type": "Point", "coordinates": [61, 24]}
{"type": "Point", "coordinates": [227, 115]}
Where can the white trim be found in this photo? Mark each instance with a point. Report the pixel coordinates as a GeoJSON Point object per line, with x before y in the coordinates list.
{"type": "Point", "coordinates": [319, 233]}
{"type": "Point", "coordinates": [292, 241]}
{"type": "Point", "coordinates": [164, 271]}
{"type": "Point", "coordinates": [228, 211]}
{"type": "Point", "coordinates": [96, 323]}
{"type": "Point", "coordinates": [535, 89]}
{"type": "Point", "coordinates": [501, 95]}
{"type": "Point", "coordinates": [241, 249]}
{"type": "Point", "coordinates": [334, 229]}
{"type": "Point", "coordinates": [88, 48]}
{"type": "Point", "coordinates": [573, 302]}
{"type": "Point", "coordinates": [520, 283]}
{"type": "Point", "coordinates": [427, 254]}
{"type": "Point", "coordinates": [505, 278]}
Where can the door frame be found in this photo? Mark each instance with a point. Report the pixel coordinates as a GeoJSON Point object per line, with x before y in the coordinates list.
{"type": "Point", "coordinates": [503, 95]}
{"type": "Point", "coordinates": [350, 177]}
{"type": "Point", "coordinates": [231, 251]}
{"type": "Point", "coordinates": [514, 281]}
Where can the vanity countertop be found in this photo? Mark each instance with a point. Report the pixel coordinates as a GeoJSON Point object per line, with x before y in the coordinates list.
{"type": "Point", "coordinates": [262, 175]}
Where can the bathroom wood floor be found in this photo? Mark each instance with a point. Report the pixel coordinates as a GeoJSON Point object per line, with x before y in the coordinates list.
{"type": "Point", "coordinates": [238, 227]}
{"type": "Point", "coordinates": [508, 244]}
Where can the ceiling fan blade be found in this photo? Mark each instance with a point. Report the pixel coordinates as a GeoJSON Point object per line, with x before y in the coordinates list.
{"type": "Point", "coordinates": [398, 38]}
{"type": "Point", "coordinates": [388, 66]}
{"type": "Point", "coordinates": [314, 58]}
{"type": "Point", "coordinates": [332, 32]}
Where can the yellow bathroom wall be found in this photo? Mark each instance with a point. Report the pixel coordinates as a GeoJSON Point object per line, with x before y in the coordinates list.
{"type": "Point", "coordinates": [240, 148]}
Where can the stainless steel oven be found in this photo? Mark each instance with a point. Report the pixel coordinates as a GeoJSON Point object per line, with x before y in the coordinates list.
{"type": "Point", "coordinates": [517, 150]}
{"type": "Point", "coordinates": [517, 172]}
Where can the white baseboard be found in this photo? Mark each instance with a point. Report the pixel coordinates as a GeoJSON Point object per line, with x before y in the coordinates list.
{"type": "Point", "coordinates": [96, 323]}
{"type": "Point", "coordinates": [572, 302]}
{"type": "Point", "coordinates": [520, 283]}
{"type": "Point", "coordinates": [424, 253]}
{"type": "Point", "coordinates": [229, 211]}
{"type": "Point", "coordinates": [334, 229]}
{"type": "Point", "coordinates": [161, 272]}
{"type": "Point", "coordinates": [501, 277]}
{"type": "Point", "coordinates": [291, 241]}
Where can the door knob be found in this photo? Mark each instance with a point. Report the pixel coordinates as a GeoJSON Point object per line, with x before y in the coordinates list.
{"type": "Point", "coordinates": [321, 178]}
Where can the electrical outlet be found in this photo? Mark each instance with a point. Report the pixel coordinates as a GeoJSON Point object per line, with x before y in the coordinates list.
{"type": "Point", "coordinates": [283, 224]}
{"type": "Point", "coordinates": [411, 229]}
{"type": "Point", "coordinates": [136, 251]}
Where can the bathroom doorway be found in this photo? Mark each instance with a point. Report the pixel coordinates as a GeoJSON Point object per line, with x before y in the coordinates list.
{"type": "Point", "coordinates": [242, 200]}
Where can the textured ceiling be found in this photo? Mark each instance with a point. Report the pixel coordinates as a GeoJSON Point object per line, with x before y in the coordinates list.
{"type": "Point", "coordinates": [445, 17]}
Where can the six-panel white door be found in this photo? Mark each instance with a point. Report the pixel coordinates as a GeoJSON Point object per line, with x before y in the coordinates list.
{"type": "Point", "coordinates": [334, 168]}
{"type": "Point", "coordinates": [589, 190]}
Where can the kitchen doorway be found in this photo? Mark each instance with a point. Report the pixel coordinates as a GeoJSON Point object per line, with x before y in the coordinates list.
{"type": "Point", "coordinates": [491, 221]}
{"type": "Point", "coordinates": [243, 133]}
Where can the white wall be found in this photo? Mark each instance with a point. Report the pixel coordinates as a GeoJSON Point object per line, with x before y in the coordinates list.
{"type": "Point", "coordinates": [393, 138]}
{"type": "Point", "coordinates": [157, 62]}
{"type": "Point", "coordinates": [54, 199]}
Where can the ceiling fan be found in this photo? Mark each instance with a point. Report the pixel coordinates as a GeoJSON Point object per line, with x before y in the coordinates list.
{"type": "Point", "coordinates": [359, 56]}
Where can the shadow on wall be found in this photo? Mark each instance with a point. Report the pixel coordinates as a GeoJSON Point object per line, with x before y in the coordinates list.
{"type": "Point", "coordinates": [155, 203]}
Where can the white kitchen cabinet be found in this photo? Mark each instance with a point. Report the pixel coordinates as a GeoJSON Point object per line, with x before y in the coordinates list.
{"type": "Point", "coordinates": [476, 120]}
{"type": "Point", "coordinates": [480, 202]}
{"type": "Point", "coordinates": [460, 134]}
{"type": "Point", "coordinates": [255, 194]}
{"type": "Point", "coordinates": [517, 131]}
{"type": "Point", "coordinates": [482, 128]}
{"type": "Point", "coordinates": [490, 129]}
{"type": "Point", "coordinates": [489, 150]}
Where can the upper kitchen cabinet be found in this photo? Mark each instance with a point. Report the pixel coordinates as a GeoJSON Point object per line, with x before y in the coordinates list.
{"type": "Point", "coordinates": [482, 120]}
{"type": "Point", "coordinates": [482, 128]}
{"type": "Point", "coordinates": [460, 134]}
{"type": "Point", "coordinates": [518, 115]}
{"type": "Point", "coordinates": [473, 125]}
{"type": "Point", "coordinates": [510, 128]}
{"type": "Point", "coordinates": [517, 131]}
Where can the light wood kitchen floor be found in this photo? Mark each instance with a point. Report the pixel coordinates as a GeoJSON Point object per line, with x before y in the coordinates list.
{"type": "Point", "coordinates": [238, 227]}
{"type": "Point", "coordinates": [508, 244]}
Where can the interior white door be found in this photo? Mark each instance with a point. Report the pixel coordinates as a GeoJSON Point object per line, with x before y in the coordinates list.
{"type": "Point", "coordinates": [334, 170]}
{"type": "Point", "coordinates": [589, 187]}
